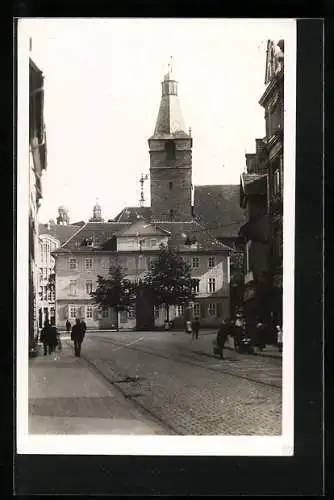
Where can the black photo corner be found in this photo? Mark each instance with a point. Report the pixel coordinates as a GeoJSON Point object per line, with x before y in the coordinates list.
{"type": "Point", "coordinates": [301, 474]}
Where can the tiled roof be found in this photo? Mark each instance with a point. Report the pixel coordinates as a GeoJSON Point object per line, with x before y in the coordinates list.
{"type": "Point", "coordinates": [132, 214]}
{"type": "Point", "coordinates": [101, 232]}
{"type": "Point", "coordinates": [191, 235]}
{"type": "Point", "coordinates": [61, 233]}
{"type": "Point", "coordinates": [218, 208]}
{"type": "Point", "coordinates": [144, 228]}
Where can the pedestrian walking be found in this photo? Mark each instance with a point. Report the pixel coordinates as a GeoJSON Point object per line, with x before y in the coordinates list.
{"type": "Point", "coordinates": [68, 326]}
{"type": "Point", "coordinates": [48, 337]}
{"type": "Point", "coordinates": [195, 328]}
{"type": "Point", "coordinates": [279, 338]}
{"type": "Point", "coordinates": [260, 335]}
{"type": "Point", "coordinates": [237, 332]}
{"type": "Point", "coordinates": [84, 326]}
{"type": "Point", "coordinates": [77, 335]}
{"type": "Point", "coordinates": [222, 336]}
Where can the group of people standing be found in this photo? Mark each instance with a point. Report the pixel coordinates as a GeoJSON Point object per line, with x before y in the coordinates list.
{"type": "Point", "coordinates": [50, 337]}
{"type": "Point", "coordinates": [246, 335]}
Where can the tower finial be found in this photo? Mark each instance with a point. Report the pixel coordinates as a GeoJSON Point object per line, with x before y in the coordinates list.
{"type": "Point", "coordinates": [170, 65]}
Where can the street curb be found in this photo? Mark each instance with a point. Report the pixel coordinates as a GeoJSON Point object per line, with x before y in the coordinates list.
{"type": "Point", "coordinates": [263, 355]}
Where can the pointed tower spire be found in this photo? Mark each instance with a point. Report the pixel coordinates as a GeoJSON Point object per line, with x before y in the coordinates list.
{"type": "Point", "coordinates": [169, 122]}
{"type": "Point", "coordinates": [170, 158]}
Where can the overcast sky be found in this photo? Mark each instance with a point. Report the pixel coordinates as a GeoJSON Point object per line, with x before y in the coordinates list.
{"type": "Point", "coordinates": [102, 95]}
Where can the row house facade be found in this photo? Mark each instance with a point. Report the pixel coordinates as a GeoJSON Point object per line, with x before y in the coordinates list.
{"type": "Point", "coordinates": [51, 236]}
{"type": "Point", "coordinates": [261, 194]}
{"type": "Point", "coordinates": [37, 164]}
{"type": "Point", "coordinates": [133, 246]}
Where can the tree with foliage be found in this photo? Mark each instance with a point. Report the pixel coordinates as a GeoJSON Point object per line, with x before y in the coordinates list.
{"type": "Point", "coordinates": [169, 279]}
{"type": "Point", "coordinates": [115, 291]}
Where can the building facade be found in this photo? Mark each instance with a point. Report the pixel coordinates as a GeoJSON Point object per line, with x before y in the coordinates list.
{"type": "Point", "coordinates": [261, 193]}
{"type": "Point", "coordinates": [37, 164]}
{"type": "Point", "coordinates": [51, 236]}
{"type": "Point", "coordinates": [133, 246]}
{"type": "Point", "coordinates": [273, 102]}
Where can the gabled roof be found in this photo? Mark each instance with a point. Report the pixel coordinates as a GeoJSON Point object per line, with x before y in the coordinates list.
{"type": "Point", "coordinates": [99, 232]}
{"type": "Point", "coordinates": [191, 235]}
{"type": "Point", "coordinates": [61, 233]}
{"type": "Point", "coordinates": [143, 227]}
{"type": "Point", "coordinates": [217, 207]}
{"type": "Point", "coordinates": [132, 214]}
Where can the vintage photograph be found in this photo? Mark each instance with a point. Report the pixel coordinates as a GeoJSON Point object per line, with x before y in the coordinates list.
{"type": "Point", "coordinates": [155, 274]}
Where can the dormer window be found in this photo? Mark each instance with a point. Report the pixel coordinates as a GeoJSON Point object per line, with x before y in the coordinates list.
{"type": "Point", "coordinates": [170, 150]}
{"type": "Point", "coordinates": [170, 184]}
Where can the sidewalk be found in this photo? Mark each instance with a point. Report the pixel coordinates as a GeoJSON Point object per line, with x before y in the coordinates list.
{"type": "Point", "coordinates": [67, 397]}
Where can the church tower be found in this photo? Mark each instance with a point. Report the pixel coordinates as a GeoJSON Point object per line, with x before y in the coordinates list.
{"type": "Point", "coordinates": [97, 213]}
{"type": "Point", "coordinates": [170, 159]}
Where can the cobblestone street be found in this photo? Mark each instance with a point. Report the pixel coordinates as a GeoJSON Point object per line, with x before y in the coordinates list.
{"type": "Point", "coordinates": [182, 384]}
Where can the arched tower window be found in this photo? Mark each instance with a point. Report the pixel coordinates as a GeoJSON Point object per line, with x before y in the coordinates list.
{"type": "Point", "coordinates": [170, 150]}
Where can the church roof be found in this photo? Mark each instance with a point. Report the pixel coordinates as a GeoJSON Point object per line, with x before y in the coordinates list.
{"type": "Point", "coordinates": [218, 208]}
{"type": "Point", "coordinates": [58, 231]}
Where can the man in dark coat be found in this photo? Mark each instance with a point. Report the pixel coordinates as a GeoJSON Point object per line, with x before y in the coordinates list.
{"type": "Point", "coordinates": [223, 333]}
{"type": "Point", "coordinates": [195, 328]}
{"type": "Point", "coordinates": [49, 337]}
{"type": "Point", "coordinates": [77, 335]}
{"type": "Point", "coordinates": [68, 325]}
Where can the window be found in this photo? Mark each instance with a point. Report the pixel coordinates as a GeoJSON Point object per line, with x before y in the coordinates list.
{"type": "Point", "coordinates": [171, 213]}
{"type": "Point", "coordinates": [73, 287]}
{"type": "Point", "coordinates": [195, 262]}
{"type": "Point", "coordinates": [153, 243]}
{"type": "Point", "coordinates": [88, 264]}
{"type": "Point", "coordinates": [89, 287]}
{"type": "Point", "coordinates": [73, 312]}
{"type": "Point", "coordinates": [170, 150]}
{"type": "Point", "coordinates": [105, 313]}
{"type": "Point", "coordinates": [51, 295]}
{"type": "Point", "coordinates": [212, 285]}
{"type": "Point", "coordinates": [212, 261]}
{"type": "Point", "coordinates": [180, 310]}
{"type": "Point", "coordinates": [196, 309]}
{"type": "Point", "coordinates": [156, 312]}
{"type": "Point", "coordinates": [276, 182]}
{"type": "Point", "coordinates": [89, 312]}
{"type": "Point", "coordinates": [132, 312]}
{"type": "Point", "coordinates": [45, 293]}
{"type": "Point", "coordinates": [196, 286]}
{"type": "Point", "coordinates": [73, 264]}
{"type": "Point", "coordinates": [212, 310]}
{"type": "Point", "coordinates": [170, 184]}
